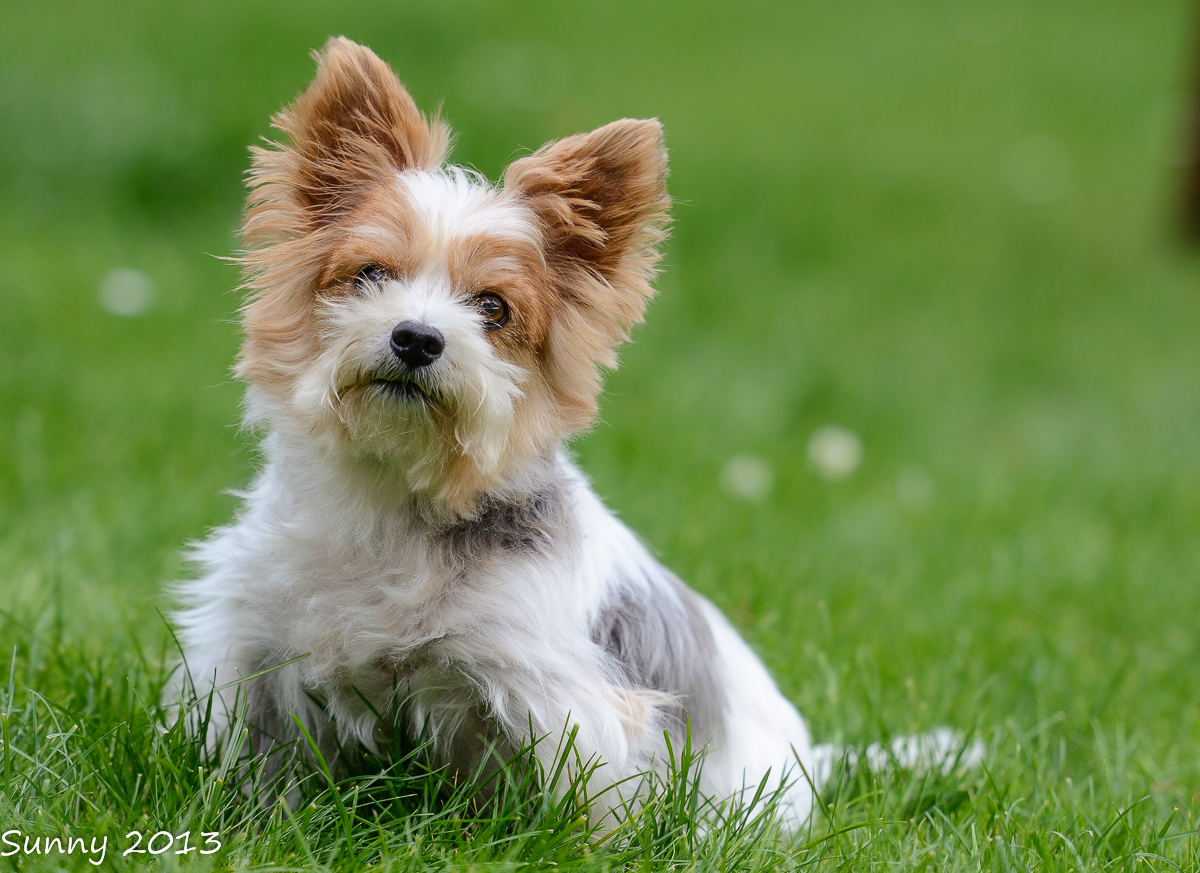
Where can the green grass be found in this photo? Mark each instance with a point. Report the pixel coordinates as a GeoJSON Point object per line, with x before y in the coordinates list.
{"type": "Point", "coordinates": [945, 225]}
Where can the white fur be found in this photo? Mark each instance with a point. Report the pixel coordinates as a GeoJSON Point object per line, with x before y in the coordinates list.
{"type": "Point", "coordinates": [455, 202]}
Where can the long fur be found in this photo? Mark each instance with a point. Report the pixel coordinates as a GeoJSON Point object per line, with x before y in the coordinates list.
{"type": "Point", "coordinates": [418, 537]}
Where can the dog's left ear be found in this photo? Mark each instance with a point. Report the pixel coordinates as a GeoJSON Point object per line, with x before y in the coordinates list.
{"type": "Point", "coordinates": [601, 199]}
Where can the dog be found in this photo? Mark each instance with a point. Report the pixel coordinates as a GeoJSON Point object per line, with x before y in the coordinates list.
{"type": "Point", "coordinates": [418, 548]}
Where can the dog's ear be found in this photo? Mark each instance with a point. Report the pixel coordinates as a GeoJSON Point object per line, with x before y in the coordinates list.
{"type": "Point", "coordinates": [601, 198]}
{"type": "Point", "coordinates": [354, 125]}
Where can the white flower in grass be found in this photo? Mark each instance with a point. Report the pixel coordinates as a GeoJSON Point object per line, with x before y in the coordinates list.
{"type": "Point", "coordinates": [747, 477]}
{"type": "Point", "coordinates": [126, 292]}
{"type": "Point", "coordinates": [835, 452]}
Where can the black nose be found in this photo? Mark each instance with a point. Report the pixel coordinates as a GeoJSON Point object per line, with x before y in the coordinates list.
{"type": "Point", "coordinates": [417, 345]}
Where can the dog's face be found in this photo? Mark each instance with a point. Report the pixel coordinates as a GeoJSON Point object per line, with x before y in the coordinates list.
{"type": "Point", "coordinates": [416, 315]}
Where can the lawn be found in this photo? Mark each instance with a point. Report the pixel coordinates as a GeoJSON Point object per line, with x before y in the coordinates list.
{"type": "Point", "coordinates": [946, 228]}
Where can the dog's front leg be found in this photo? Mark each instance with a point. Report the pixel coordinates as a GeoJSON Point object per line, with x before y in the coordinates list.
{"type": "Point", "coordinates": [611, 735]}
{"type": "Point", "coordinates": [247, 709]}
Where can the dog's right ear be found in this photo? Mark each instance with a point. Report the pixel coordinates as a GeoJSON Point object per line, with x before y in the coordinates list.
{"type": "Point", "coordinates": [354, 125]}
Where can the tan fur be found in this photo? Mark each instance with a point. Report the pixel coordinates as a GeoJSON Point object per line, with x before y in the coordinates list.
{"type": "Point", "coordinates": [327, 203]}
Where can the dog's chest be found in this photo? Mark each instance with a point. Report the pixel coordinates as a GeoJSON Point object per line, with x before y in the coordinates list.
{"type": "Point", "coordinates": [411, 594]}
{"type": "Point", "coordinates": [355, 609]}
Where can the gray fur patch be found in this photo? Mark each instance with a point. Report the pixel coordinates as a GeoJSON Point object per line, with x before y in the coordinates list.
{"type": "Point", "coordinates": [660, 639]}
{"type": "Point", "coordinates": [533, 525]}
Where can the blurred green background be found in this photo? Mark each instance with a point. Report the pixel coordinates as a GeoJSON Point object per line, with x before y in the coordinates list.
{"type": "Point", "coordinates": [945, 228]}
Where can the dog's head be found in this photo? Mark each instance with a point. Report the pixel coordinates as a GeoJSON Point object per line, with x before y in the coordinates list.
{"type": "Point", "coordinates": [415, 315]}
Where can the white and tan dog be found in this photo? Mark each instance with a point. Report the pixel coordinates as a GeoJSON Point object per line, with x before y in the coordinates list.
{"type": "Point", "coordinates": [419, 343]}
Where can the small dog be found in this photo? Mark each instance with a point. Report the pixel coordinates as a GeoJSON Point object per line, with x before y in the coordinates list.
{"type": "Point", "coordinates": [418, 548]}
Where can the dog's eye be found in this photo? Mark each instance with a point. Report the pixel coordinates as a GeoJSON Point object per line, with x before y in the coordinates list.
{"type": "Point", "coordinates": [493, 309]}
{"type": "Point", "coordinates": [369, 275]}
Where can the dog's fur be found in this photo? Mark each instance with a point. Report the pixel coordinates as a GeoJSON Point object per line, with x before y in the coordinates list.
{"type": "Point", "coordinates": [418, 531]}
